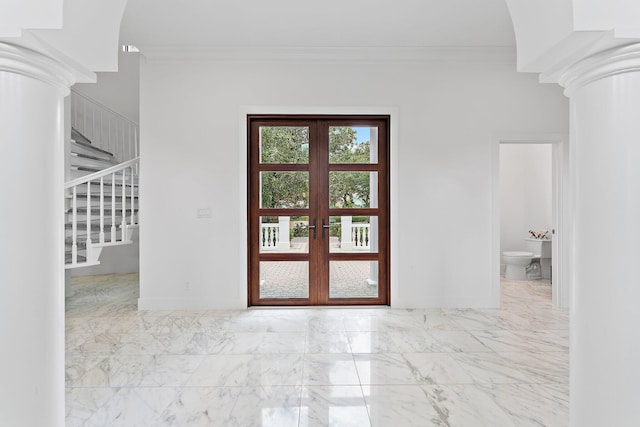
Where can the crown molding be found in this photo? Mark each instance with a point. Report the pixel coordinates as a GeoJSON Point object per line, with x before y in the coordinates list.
{"type": "Point", "coordinates": [30, 63]}
{"type": "Point", "coordinates": [611, 62]}
{"type": "Point", "coordinates": [468, 54]}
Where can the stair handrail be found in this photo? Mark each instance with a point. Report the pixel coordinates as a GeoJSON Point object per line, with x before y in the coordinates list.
{"type": "Point", "coordinates": [112, 131]}
{"type": "Point", "coordinates": [124, 176]}
{"type": "Point", "coordinates": [108, 171]}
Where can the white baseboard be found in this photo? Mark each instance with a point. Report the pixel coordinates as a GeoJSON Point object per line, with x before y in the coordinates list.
{"type": "Point", "coordinates": [157, 304]}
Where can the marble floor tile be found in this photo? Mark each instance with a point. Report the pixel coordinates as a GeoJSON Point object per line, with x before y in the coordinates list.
{"type": "Point", "coordinates": [400, 406]}
{"type": "Point", "coordinates": [335, 406]}
{"type": "Point", "coordinates": [249, 370]}
{"type": "Point", "coordinates": [259, 343]}
{"type": "Point", "coordinates": [538, 341]}
{"type": "Point", "coordinates": [547, 367]}
{"type": "Point", "coordinates": [314, 366]}
{"type": "Point", "coordinates": [133, 407]}
{"type": "Point", "coordinates": [458, 341]}
{"type": "Point", "coordinates": [531, 405]}
{"type": "Point", "coordinates": [319, 323]}
{"type": "Point", "coordinates": [83, 402]}
{"type": "Point", "coordinates": [470, 319]}
{"type": "Point", "coordinates": [327, 342]}
{"type": "Point", "coordinates": [467, 405]}
{"type": "Point", "coordinates": [329, 369]}
{"type": "Point", "coordinates": [492, 368]}
{"type": "Point", "coordinates": [233, 406]}
{"type": "Point", "coordinates": [436, 368]}
{"type": "Point", "coordinates": [200, 406]}
{"type": "Point", "coordinates": [384, 368]}
{"type": "Point", "coordinates": [392, 321]}
{"type": "Point", "coordinates": [267, 406]}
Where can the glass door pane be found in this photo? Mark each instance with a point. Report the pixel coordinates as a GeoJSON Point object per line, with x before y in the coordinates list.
{"type": "Point", "coordinates": [284, 279]}
{"type": "Point", "coordinates": [353, 234]}
{"type": "Point", "coordinates": [353, 279]}
{"type": "Point", "coordinates": [284, 234]}
{"type": "Point", "coordinates": [353, 189]}
{"type": "Point", "coordinates": [284, 144]}
{"type": "Point", "coordinates": [353, 144]}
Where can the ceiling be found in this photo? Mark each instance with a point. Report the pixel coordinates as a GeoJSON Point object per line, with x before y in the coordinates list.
{"type": "Point", "coordinates": [325, 23]}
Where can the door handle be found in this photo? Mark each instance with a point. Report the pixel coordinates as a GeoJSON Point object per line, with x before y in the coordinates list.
{"type": "Point", "coordinates": [313, 227]}
{"type": "Point", "coordinates": [324, 226]}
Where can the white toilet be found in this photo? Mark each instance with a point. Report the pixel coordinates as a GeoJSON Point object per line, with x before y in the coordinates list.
{"type": "Point", "coordinates": [519, 265]}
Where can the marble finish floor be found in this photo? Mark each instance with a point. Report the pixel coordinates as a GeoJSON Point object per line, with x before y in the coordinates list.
{"type": "Point", "coordinates": [314, 367]}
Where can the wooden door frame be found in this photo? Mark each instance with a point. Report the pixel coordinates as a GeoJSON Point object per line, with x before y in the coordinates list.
{"type": "Point", "coordinates": [320, 296]}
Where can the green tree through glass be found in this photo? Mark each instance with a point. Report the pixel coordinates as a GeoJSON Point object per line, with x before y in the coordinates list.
{"type": "Point", "coordinates": [290, 145]}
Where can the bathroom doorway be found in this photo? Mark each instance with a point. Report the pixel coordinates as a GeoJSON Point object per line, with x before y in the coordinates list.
{"type": "Point", "coordinates": [531, 182]}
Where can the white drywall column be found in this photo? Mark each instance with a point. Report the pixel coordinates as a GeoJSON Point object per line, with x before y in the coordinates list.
{"type": "Point", "coordinates": [604, 90]}
{"type": "Point", "coordinates": [32, 91]}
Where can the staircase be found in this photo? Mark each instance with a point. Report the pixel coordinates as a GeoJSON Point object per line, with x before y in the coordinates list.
{"type": "Point", "coordinates": [101, 197]}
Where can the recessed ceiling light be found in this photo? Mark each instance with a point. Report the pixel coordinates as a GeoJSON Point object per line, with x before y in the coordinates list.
{"type": "Point", "coordinates": [129, 48]}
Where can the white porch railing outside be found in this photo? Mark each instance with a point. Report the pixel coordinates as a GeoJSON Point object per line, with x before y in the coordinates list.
{"type": "Point", "coordinates": [105, 128]}
{"type": "Point", "coordinates": [111, 205]}
{"type": "Point", "coordinates": [360, 236]}
{"type": "Point", "coordinates": [275, 236]}
{"type": "Point", "coordinates": [269, 236]}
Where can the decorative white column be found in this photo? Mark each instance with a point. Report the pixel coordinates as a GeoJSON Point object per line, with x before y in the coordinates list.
{"type": "Point", "coordinates": [605, 322]}
{"type": "Point", "coordinates": [32, 91]}
{"type": "Point", "coordinates": [346, 244]}
{"type": "Point", "coordinates": [284, 225]}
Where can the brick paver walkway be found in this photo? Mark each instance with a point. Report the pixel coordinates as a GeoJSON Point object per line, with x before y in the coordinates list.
{"type": "Point", "coordinates": [289, 279]}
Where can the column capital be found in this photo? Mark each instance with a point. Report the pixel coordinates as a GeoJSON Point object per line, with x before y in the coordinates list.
{"type": "Point", "coordinates": [27, 62]}
{"type": "Point", "coordinates": [607, 63]}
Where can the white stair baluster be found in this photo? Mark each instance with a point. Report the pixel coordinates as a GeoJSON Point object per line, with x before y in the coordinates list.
{"type": "Point", "coordinates": [123, 230]}
{"type": "Point", "coordinates": [101, 210]}
{"type": "Point", "coordinates": [113, 207]}
{"type": "Point", "coordinates": [74, 227]}
{"type": "Point", "coordinates": [88, 207]}
{"type": "Point", "coordinates": [131, 193]}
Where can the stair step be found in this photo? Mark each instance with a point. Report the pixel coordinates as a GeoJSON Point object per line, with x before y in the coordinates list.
{"type": "Point", "coordinates": [87, 160]}
{"type": "Point", "coordinates": [82, 226]}
{"type": "Point", "coordinates": [80, 139]}
{"type": "Point", "coordinates": [81, 238]}
{"type": "Point", "coordinates": [85, 169]}
{"type": "Point", "coordinates": [79, 148]}
{"type": "Point", "coordinates": [96, 211]}
{"type": "Point", "coordinates": [107, 197]}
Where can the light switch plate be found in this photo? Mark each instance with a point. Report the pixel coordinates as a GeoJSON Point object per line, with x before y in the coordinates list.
{"type": "Point", "coordinates": [204, 213]}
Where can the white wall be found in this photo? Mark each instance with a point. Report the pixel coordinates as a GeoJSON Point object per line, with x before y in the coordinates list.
{"type": "Point", "coordinates": [193, 156]}
{"type": "Point", "coordinates": [114, 259]}
{"type": "Point", "coordinates": [119, 91]}
{"type": "Point", "coordinates": [525, 193]}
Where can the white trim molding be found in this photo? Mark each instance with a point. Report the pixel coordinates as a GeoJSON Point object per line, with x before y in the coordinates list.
{"type": "Point", "coordinates": [27, 62]}
{"type": "Point", "coordinates": [618, 60]}
{"type": "Point", "coordinates": [562, 275]}
{"type": "Point", "coordinates": [396, 227]}
{"type": "Point", "coordinates": [430, 54]}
